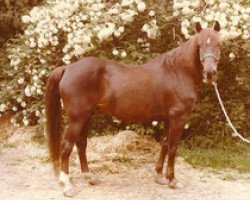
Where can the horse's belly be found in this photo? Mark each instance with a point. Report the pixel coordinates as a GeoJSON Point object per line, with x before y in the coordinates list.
{"type": "Point", "coordinates": [132, 109]}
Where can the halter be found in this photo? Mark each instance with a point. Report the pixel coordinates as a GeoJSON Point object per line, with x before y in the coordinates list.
{"type": "Point", "coordinates": [209, 55]}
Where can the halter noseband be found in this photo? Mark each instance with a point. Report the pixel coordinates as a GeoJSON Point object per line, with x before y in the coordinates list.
{"type": "Point", "coordinates": [209, 55]}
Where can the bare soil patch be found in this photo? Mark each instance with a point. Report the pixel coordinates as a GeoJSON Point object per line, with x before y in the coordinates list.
{"type": "Point", "coordinates": [124, 163]}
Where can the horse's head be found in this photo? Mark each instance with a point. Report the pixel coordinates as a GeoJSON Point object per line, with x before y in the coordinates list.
{"type": "Point", "coordinates": [209, 50]}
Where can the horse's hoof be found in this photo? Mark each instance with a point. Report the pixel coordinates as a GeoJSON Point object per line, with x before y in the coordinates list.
{"type": "Point", "coordinates": [70, 193]}
{"type": "Point", "coordinates": [94, 181]}
{"type": "Point", "coordinates": [172, 184]}
{"type": "Point", "coordinates": [161, 180]}
{"type": "Point", "coordinates": [87, 175]}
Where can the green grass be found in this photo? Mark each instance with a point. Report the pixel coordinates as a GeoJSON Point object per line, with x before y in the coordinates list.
{"type": "Point", "coordinates": [122, 159]}
{"type": "Point", "coordinates": [234, 156]}
{"type": "Point", "coordinates": [39, 139]}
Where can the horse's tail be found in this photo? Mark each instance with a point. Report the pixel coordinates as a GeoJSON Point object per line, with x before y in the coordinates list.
{"type": "Point", "coordinates": [54, 117]}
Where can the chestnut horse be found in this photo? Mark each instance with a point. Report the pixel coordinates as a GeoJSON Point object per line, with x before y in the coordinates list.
{"type": "Point", "coordinates": [163, 89]}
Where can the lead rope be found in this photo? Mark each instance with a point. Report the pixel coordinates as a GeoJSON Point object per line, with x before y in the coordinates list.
{"type": "Point", "coordinates": [226, 115]}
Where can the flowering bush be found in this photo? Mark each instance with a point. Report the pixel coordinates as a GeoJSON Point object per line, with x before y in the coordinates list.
{"type": "Point", "coordinates": [62, 31]}
{"type": "Point", "coordinates": [233, 17]}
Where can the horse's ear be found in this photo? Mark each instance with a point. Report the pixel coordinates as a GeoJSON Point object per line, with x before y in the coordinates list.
{"type": "Point", "coordinates": [217, 26]}
{"type": "Point", "coordinates": [197, 26]}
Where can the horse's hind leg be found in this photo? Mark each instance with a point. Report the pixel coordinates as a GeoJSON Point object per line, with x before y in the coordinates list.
{"type": "Point", "coordinates": [160, 179]}
{"type": "Point", "coordinates": [73, 133]}
{"type": "Point", "coordinates": [81, 144]}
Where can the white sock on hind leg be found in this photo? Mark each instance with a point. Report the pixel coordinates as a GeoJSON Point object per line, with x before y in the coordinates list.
{"type": "Point", "coordinates": [64, 179]}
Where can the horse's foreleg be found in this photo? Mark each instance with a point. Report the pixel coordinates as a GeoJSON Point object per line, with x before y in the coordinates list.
{"type": "Point", "coordinates": [159, 165]}
{"type": "Point", "coordinates": [81, 144]}
{"type": "Point", "coordinates": [175, 132]}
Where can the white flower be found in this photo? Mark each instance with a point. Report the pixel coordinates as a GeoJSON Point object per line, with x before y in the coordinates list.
{"type": "Point", "coordinates": [204, 24]}
{"type": "Point", "coordinates": [35, 78]}
{"type": "Point", "coordinates": [105, 33]}
{"type": "Point", "coordinates": [232, 56]}
{"type": "Point", "coordinates": [84, 17]}
{"type": "Point", "coordinates": [3, 107]}
{"type": "Point", "coordinates": [151, 29]}
{"type": "Point", "coordinates": [65, 49]}
{"type": "Point", "coordinates": [127, 17]}
{"type": "Point", "coordinates": [66, 59]}
{"type": "Point", "coordinates": [27, 91]}
{"type": "Point", "coordinates": [39, 91]}
{"type": "Point", "coordinates": [185, 3]}
{"type": "Point", "coordinates": [115, 120]}
{"type": "Point", "coordinates": [14, 108]}
{"type": "Point", "coordinates": [32, 44]}
{"type": "Point", "coordinates": [37, 113]}
{"type": "Point", "coordinates": [145, 27]}
{"type": "Point", "coordinates": [19, 99]}
{"type": "Point", "coordinates": [246, 17]}
{"type": "Point", "coordinates": [127, 2]}
{"type": "Point", "coordinates": [13, 121]}
{"type": "Point", "coordinates": [185, 23]}
{"type": "Point", "coordinates": [20, 81]}
{"type": "Point", "coordinates": [25, 19]}
{"type": "Point", "coordinates": [25, 122]}
{"type": "Point", "coordinates": [117, 34]}
{"type": "Point", "coordinates": [123, 54]}
{"type": "Point", "coordinates": [223, 6]}
{"type": "Point", "coordinates": [209, 1]}
{"type": "Point", "coordinates": [15, 62]}
{"type": "Point", "coordinates": [23, 104]}
{"type": "Point", "coordinates": [43, 61]}
{"type": "Point", "coordinates": [140, 40]}
{"type": "Point", "coordinates": [147, 44]}
{"type": "Point", "coordinates": [33, 88]}
{"type": "Point", "coordinates": [177, 6]}
{"type": "Point", "coordinates": [186, 126]}
{"type": "Point", "coordinates": [114, 11]}
{"type": "Point", "coordinates": [245, 36]}
{"type": "Point", "coordinates": [235, 20]}
{"type": "Point", "coordinates": [223, 22]}
{"type": "Point", "coordinates": [154, 123]}
{"type": "Point", "coordinates": [187, 11]}
{"type": "Point", "coordinates": [151, 13]}
{"type": "Point", "coordinates": [152, 33]}
{"type": "Point", "coordinates": [16, 125]}
{"type": "Point", "coordinates": [121, 29]}
{"type": "Point", "coordinates": [176, 13]}
{"type": "Point", "coordinates": [87, 39]}
{"type": "Point", "coordinates": [195, 4]}
{"type": "Point", "coordinates": [141, 6]}
{"type": "Point", "coordinates": [236, 6]}
{"type": "Point", "coordinates": [115, 52]}
{"type": "Point", "coordinates": [209, 17]}
{"type": "Point", "coordinates": [184, 31]}
{"type": "Point", "coordinates": [228, 35]}
{"type": "Point", "coordinates": [43, 72]}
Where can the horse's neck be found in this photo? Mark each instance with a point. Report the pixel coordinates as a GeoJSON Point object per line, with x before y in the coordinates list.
{"type": "Point", "coordinates": [185, 59]}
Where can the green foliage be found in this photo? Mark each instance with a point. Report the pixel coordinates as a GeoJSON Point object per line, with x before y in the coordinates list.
{"type": "Point", "coordinates": [229, 153]}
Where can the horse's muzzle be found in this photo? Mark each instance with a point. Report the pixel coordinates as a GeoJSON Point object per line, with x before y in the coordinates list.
{"type": "Point", "coordinates": [209, 76]}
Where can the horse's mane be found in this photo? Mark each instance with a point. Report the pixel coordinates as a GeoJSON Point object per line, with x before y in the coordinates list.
{"type": "Point", "coordinates": [177, 58]}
